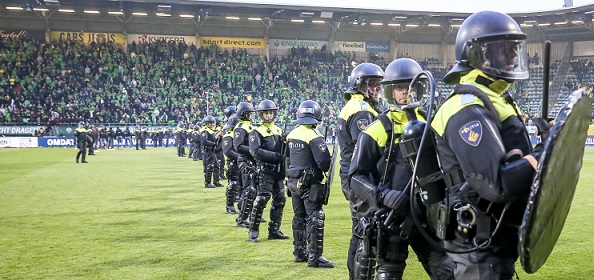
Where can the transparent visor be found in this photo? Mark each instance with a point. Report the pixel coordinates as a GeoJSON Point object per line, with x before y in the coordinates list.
{"type": "Point", "coordinates": [507, 59]}
{"type": "Point", "coordinates": [248, 115]}
{"type": "Point", "coordinates": [399, 94]}
{"type": "Point", "coordinates": [371, 88]}
{"type": "Point", "coordinates": [308, 112]}
{"type": "Point", "coordinates": [267, 115]}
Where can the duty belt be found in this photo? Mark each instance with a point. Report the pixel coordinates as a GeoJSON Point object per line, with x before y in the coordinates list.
{"type": "Point", "coordinates": [267, 167]}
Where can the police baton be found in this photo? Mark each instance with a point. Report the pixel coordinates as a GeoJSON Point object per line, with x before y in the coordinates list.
{"type": "Point", "coordinates": [545, 81]}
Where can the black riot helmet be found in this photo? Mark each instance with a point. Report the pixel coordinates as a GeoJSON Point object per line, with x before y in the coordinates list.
{"type": "Point", "coordinates": [209, 121]}
{"type": "Point", "coordinates": [218, 121]}
{"type": "Point", "coordinates": [360, 77]}
{"type": "Point", "coordinates": [230, 110]}
{"type": "Point", "coordinates": [245, 110]}
{"type": "Point", "coordinates": [266, 106]}
{"type": "Point", "coordinates": [493, 43]}
{"type": "Point", "coordinates": [398, 75]}
{"type": "Point", "coordinates": [309, 112]}
{"type": "Point", "coordinates": [232, 122]}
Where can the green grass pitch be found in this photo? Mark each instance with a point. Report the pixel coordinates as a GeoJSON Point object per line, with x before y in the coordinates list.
{"type": "Point", "coordinates": [146, 215]}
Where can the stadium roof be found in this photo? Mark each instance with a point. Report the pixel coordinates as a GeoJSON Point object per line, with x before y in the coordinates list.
{"type": "Point", "coordinates": [563, 24]}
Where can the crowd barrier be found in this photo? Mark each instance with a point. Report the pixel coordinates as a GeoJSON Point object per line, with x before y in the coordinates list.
{"type": "Point", "coordinates": [45, 142]}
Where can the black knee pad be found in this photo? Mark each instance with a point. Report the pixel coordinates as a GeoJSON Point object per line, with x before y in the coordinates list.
{"type": "Point", "coordinates": [260, 201]}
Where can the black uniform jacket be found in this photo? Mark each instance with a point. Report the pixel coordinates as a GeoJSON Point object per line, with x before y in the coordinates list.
{"type": "Point", "coordinates": [227, 143]}
{"type": "Point", "coordinates": [240, 140]}
{"type": "Point", "coordinates": [265, 143]}
{"type": "Point", "coordinates": [354, 117]}
{"type": "Point", "coordinates": [307, 149]}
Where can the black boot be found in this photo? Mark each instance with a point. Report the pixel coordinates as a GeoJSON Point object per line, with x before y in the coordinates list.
{"type": "Point", "coordinates": [274, 232]}
{"type": "Point", "coordinates": [300, 255]}
{"type": "Point", "coordinates": [231, 210]}
{"type": "Point", "coordinates": [253, 236]}
{"type": "Point", "coordinates": [320, 262]}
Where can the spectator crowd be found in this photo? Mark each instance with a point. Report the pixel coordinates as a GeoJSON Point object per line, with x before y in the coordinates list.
{"type": "Point", "coordinates": [157, 83]}
{"type": "Point", "coordinates": [163, 83]}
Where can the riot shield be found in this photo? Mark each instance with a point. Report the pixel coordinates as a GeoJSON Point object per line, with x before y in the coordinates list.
{"type": "Point", "coordinates": [554, 182]}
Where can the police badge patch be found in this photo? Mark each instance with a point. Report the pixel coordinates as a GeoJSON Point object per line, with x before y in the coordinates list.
{"type": "Point", "coordinates": [322, 146]}
{"type": "Point", "coordinates": [252, 138]}
{"type": "Point", "coordinates": [471, 133]}
{"type": "Point", "coordinates": [226, 142]}
{"type": "Point", "coordinates": [362, 124]}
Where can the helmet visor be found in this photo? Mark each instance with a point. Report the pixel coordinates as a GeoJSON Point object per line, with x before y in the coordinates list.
{"type": "Point", "coordinates": [267, 116]}
{"type": "Point", "coordinates": [371, 88]}
{"type": "Point", "coordinates": [505, 58]}
{"type": "Point", "coordinates": [396, 94]}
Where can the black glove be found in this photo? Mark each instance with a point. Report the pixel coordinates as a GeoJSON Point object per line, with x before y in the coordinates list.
{"type": "Point", "coordinates": [543, 126]}
{"type": "Point", "coordinates": [394, 199]}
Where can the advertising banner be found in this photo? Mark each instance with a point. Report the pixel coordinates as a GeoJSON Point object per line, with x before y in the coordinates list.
{"type": "Point", "coordinates": [377, 46]}
{"type": "Point", "coordinates": [148, 38]}
{"type": "Point", "coordinates": [31, 34]}
{"type": "Point", "coordinates": [228, 42]}
{"type": "Point", "coordinates": [19, 129]}
{"type": "Point", "coordinates": [349, 46]}
{"type": "Point", "coordinates": [283, 44]}
{"type": "Point", "coordinates": [18, 142]}
{"type": "Point", "coordinates": [57, 142]}
{"type": "Point", "coordinates": [88, 37]}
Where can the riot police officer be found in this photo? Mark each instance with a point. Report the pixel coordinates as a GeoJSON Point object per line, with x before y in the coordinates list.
{"type": "Point", "coordinates": [233, 176]}
{"type": "Point", "coordinates": [218, 150]}
{"type": "Point", "coordinates": [211, 168]}
{"type": "Point", "coordinates": [193, 137]}
{"type": "Point", "coordinates": [355, 116]}
{"type": "Point", "coordinates": [266, 147]}
{"type": "Point", "coordinates": [196, 142]}
{"type": "Point", "coordinates": [309, 159]}
{"type": "Point", "coordinates": [180, 140]}
{"type": "Point", "coordinates": [80, 137]}
{"type": "Point", "coordinates": [382, 186]}
{"type": "Point", "coordinates": [245, 162]}
{"type": "Point", "coordinates": [480, 134]}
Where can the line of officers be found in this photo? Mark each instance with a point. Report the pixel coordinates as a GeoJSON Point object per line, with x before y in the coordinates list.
{"type": "Point", "coordinates": [88, 138]}
{"type": "Point", "coordinates": [481, 142]}
{"type": "Point", "coordinates": [258, 159]}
